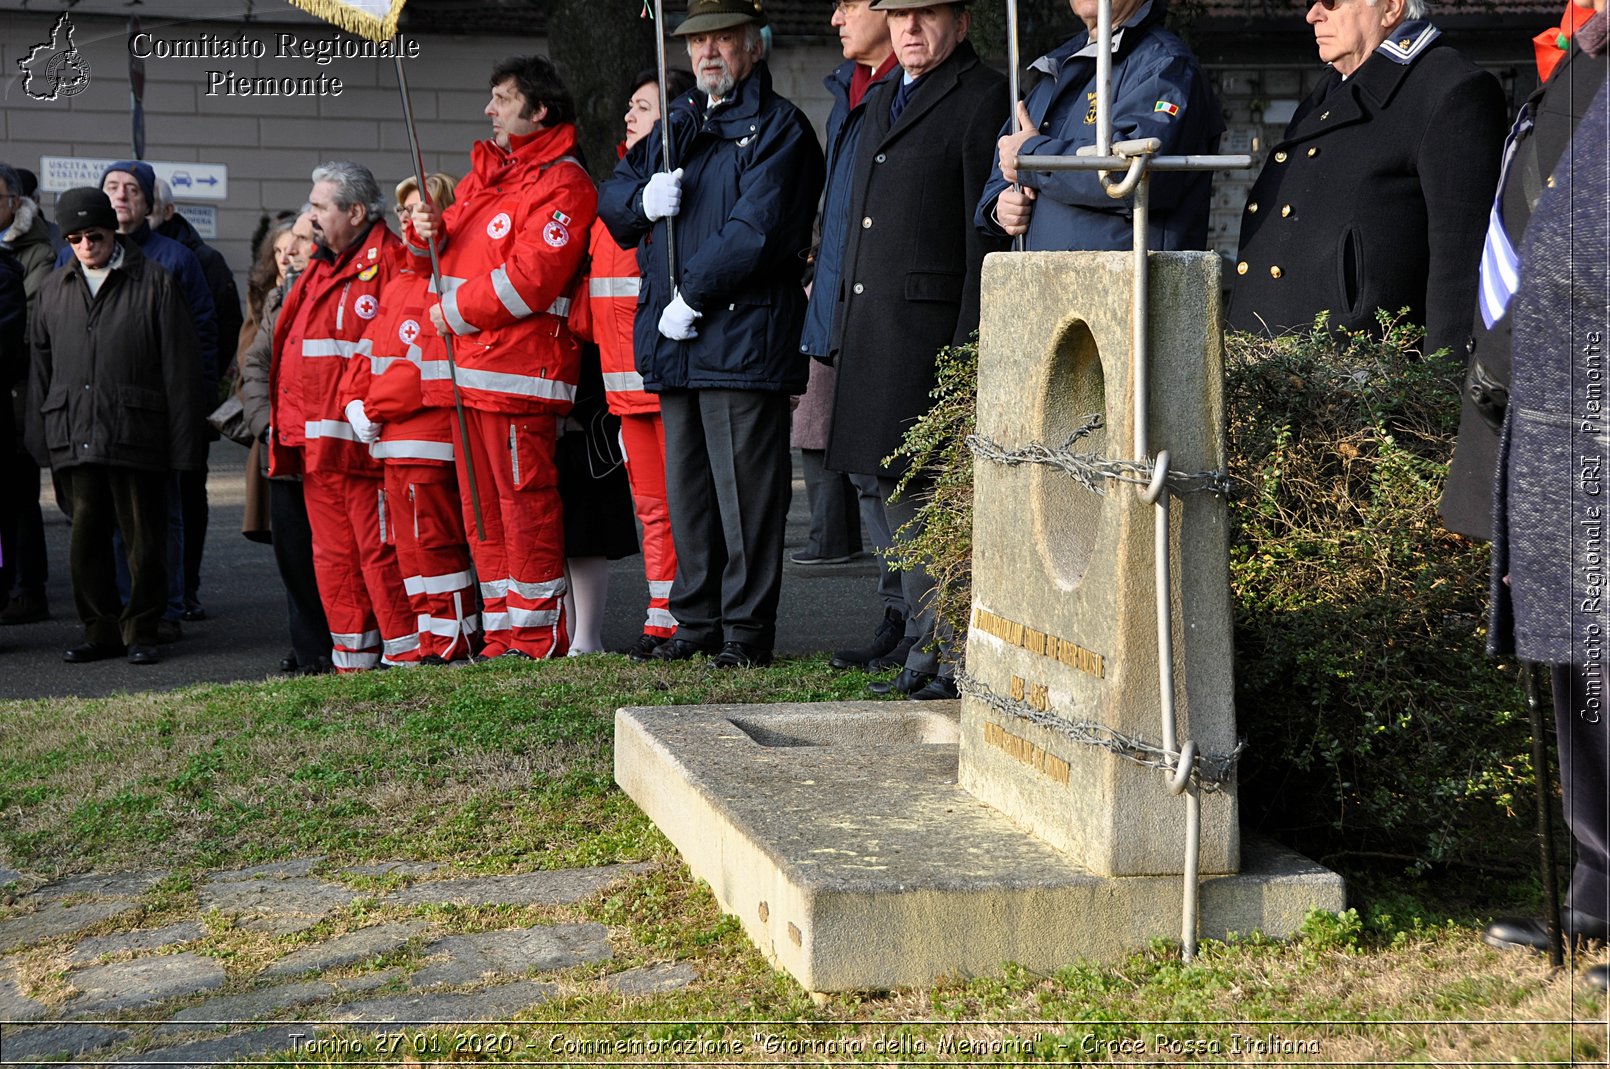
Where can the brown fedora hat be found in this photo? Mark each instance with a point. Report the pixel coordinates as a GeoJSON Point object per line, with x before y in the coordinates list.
{"type": "Point", "coordinates": [707, 16]}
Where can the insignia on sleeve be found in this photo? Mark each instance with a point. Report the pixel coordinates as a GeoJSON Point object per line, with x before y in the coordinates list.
{"type": "Point", "coordinates": [1090, 116]}
{"type": "Point", "coordinates": [369, 272]}
{"type": "Point", "coordinates": [561, 217]}
{"type": "Point", "coordinates": [1167, 108]}
{"type": "Point", "coordinates": [366, 306]}
{"type": "Point", "coordinates": [556, 235]}
{"type": "Point", "coordinates": [408, 331]}
{"type": "Point", "coordinates": [498, 226]}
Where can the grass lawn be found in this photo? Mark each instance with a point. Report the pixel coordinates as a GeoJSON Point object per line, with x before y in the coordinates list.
{"type": "Point", "coordinates": [506, 768]}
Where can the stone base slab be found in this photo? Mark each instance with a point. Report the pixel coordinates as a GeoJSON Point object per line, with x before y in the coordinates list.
{"type": "Point", "coordinates": [836, 833]}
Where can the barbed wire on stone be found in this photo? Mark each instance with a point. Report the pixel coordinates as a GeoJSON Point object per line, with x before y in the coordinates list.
{"type": "Point", "coordinates": [1211, 774]}
{"type": "Point", "coordinates": [1092, 470]}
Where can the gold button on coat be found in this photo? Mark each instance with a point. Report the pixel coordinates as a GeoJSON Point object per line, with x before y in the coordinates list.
{"type": "Point", "coordinates": [1241, 268]}
{"type": "Point", "coordinates": [1274, 272]}
{"type": "Point", "coordinates": [1252, 207]}
{"type": "Point", "coordinates": [1280, 157]}
{"type": "Point", "coordinates": [1313, 152]}
{"type": "Point", "coordinates": [1285, 211]}
{"type": "Point", "coordinates": [866, 224]}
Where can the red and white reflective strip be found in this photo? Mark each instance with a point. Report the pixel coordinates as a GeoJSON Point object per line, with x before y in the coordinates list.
{"type": "Point", "coordinates": [411, 449]}
{"type": "Point", "coordinates": [320, 347]}
{"type": "Point", "coordinates": [437, 584]}
{"type": "Point", "coordinates": [614, 286]}
{"type": "Point", "coordinates": [394, 648]}
{"type": "Point", "coordinates": [506, 294]}
{"type": "Point", "coordinates": [621, 381]}
{"type": "Point", "coordinates": [499, 381]}
{"type": "Point", "coordinates": [329, 428]}
{"type": "Point", "coordinates": [355, 650]}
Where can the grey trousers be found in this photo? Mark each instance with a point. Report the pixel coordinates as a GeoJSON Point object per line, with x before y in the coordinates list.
{"type": "Point", "coordinates": [875, 530]}
{"type": "Point", "coordinates": [728, 482]}
{"type": "Point", "coordinates": [934, 651]}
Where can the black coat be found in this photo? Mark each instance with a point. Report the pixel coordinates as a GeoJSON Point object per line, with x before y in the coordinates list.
{"type": "Point", "coordinates": [911, 264]}
{"type": "Point", "coordinates": [116, 379]}
{"type": "Point", "coordinates": [1375, 197]}
{"type": "Point", "coordinates": [1557, 107]}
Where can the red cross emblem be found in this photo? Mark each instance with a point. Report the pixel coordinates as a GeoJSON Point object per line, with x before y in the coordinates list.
{"type": "Point", "coordinates": [499, 225]}
{"type": "Point", "coordinates": [408, 331]}
{"type": "Point", "coordinates": [366, 306]}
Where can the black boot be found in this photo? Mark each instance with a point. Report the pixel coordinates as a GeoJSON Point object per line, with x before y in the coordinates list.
{"type": "Point", "coordinates": [884, 640]}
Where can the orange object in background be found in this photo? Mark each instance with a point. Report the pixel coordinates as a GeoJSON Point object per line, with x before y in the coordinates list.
{"type": "Point", "coordinates": [1553, 43]}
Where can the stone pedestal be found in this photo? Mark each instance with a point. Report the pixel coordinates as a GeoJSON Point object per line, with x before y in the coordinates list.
{"type": "Point", "coordinates": [1064, 618]}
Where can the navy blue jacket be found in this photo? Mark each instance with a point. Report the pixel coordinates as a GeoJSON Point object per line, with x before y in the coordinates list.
{"type": "Point", "coordinates": [186, 270]}
{"type": "Point", "coordinates": [1152, 71]}
{"type": "Point", "coordinates": [843, 134]}
{"type": "Point", "coordinates": [752, 173]}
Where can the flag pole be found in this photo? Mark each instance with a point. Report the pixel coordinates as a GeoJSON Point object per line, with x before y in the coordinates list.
{"type": "Point", "coordinates": [1021, 241]}
{"type": "Point", "coordinates": [665, 133]}
{"type": "Point", "coordinates": [436, 282]}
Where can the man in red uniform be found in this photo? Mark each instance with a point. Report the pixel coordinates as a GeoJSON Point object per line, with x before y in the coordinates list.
{"type": "Point", "coordinates": [319, 327]}
{"type": "Point", "coordinates": [511, 249]}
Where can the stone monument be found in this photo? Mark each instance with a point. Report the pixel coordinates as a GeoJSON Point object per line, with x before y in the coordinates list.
{"type": "Point", "coordinates": [868, 845]}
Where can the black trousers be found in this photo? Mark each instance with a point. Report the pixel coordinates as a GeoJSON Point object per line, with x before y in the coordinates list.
{"type": "Point", "coordinates": [26, 565]}
{"type": "Point", "coordinates": [293, 552]}
{"type": "Point", "coordinates": [105, 499]}
{"type": "Point", "coordinates": [835, 517]}
{"type": "Point", "coordinates": [193, 498]}
{"type": "Point", "coordinates": [1581, 705]}
{"type": "Point", "coordinates": [728, 482]}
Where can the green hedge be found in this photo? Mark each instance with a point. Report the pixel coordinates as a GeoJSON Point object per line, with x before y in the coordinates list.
{"type": "Point", "coordinates": [1375, 724]}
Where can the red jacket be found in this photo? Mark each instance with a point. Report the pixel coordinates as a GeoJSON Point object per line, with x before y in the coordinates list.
{"type": "Point", "coordinates": [384, 375]}
{"type": "Point", "coordinates": [605, 318]}
{"type": "Point", "coordinates": [516, 235]}
{"type": "Point", "coordinates": [317, 333]}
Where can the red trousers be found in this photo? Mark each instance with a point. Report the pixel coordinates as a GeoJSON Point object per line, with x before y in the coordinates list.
{"type": "Point", "coordinates": [643, 441]}
{"type": "Point", "coordinates": [431, 552]}
{"type": "Point", "coordinates": [359, 582]}
{"type": "Point", "coordinates": [521, 561]}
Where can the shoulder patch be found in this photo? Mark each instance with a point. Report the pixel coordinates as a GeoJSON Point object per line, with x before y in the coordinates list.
{"type": "Point", "coordinates": [1167, 108]}
{"type": "Point", "coordinates": [369, 272]}
{"type": "Point", "coordinates": [366, 306]}
{"type": "Point", "coordinates": [498, 225]}
{"type": "Point", "coordinates": [556, 234]}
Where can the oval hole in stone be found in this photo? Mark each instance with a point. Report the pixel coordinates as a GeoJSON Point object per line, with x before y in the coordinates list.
{"type": "Point", "coordinates": [1072, 389]}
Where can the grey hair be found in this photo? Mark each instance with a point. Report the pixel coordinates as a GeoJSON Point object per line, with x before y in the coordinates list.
{"type": "Point", "coordinates": [754, 40]}
{"type": "Point", "coordinates": [354, 184]}
{"type": "Point", "coordinates": [161, 195]}
{"type": "Point", "coordinates": [12, 180]}
{"type": "Point", "coordinates": [1412, 9]}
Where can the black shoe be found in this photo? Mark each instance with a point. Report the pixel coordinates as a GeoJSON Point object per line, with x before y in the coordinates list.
{"type": "Point", "coordinates": [320, 667]}
{"type": "Point", "coordinates": [1598, 977]}
{"type": "Point", "coordinates": [643, 649]}
{"type": "Point", "coordinates": [85, 652]}
{"type": "Point", "coordinates": [907, 682]}
{"type": "Point", "coordinates": [940, 688]}
{"type": "Point", "coordinates": [884, 640]}
{"type": "Point", "coordinates": [680, 649]}
{"type": "Point", "coordinates": [289, 663]}
{"type": "Point", "coordinates": [895, 658]}
{"type": "Point", "coordinates": [1530, 933]}
{"type": "Point", "coordinates": [28, 607]}
{"type": "Point", "coordinates": [741, 655]}
{"type": "Point", "coordinates": [807, 559]}
{"type": "Point", "coordinates": [193, 611]}
{"type": "Point", "coordinates": [512, 654]}
{"type": "Point", "coordinates": [169, 632]}
{"type": "Point", "coordinates": [144, 655]}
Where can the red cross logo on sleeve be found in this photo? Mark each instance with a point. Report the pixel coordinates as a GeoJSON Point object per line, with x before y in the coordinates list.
{"type": "Point", "coordinates": [499, 225]}
{"type": "Point", "coordinates": [408, 331]}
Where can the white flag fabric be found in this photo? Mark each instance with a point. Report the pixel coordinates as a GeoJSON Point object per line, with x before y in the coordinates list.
{"type": "Point", "coordinates": [374, 19]}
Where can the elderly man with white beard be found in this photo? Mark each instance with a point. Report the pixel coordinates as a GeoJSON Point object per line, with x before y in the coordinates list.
{"type": "Point", "coordinates": [718, 337]}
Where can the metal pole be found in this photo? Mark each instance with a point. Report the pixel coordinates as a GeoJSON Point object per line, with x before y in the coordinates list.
{"type": "Point", "coordinates": [665, 134]}
{"type": "Point", "coordinates": [1013, 86]}
{"type": "Point", "coordinates": [436, 281]}
{"type": "Point", "coordinates": [1545, 815]}
{"type": "Point", "coordinates": [1104, 78]}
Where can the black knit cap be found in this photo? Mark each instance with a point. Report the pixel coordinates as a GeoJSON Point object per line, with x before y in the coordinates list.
{"type": "Point", "coordinates": [83, 208]}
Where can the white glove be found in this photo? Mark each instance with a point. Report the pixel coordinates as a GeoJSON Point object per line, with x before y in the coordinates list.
{"type": "Point", "coordinates": [663, 194]}
{"type": "Point", "coordinates": [676, 322]}
{"type": "Point", "coordinates": [367, 430]}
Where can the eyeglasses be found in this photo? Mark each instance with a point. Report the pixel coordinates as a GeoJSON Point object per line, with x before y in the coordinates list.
{"type": "Point", "coordinates": [86, 237]}
{"type": "Point", "coordinates": [1328, 5]}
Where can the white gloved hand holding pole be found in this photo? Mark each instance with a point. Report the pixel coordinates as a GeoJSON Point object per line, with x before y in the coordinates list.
{"type": "Point", "coordinates": [366, 429]}
{"type": "Point", "coordinates": [676, 322]}
{"type": "Point", "coordinates": [662, 197]}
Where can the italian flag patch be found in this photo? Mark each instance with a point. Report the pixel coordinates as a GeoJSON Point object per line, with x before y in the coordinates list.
{"type": "Point", "coordinates": [1166, 108]}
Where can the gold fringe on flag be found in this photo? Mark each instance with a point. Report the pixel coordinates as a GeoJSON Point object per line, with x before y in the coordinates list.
{"type": "Point", "coordinates": [373, 19]}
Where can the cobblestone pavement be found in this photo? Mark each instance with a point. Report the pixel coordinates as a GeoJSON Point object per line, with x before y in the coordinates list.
{"type": "Point", "coordinates": [81, 982]}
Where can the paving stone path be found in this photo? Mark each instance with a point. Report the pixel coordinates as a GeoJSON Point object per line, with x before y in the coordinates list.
{"type": "Point", "coordinates": [127, 994]}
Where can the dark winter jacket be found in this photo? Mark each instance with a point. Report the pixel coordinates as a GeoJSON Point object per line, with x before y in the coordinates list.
{"type": "Point", "coordinates": [843, 134]}
{"type": "Point", "coordinates": [220, 285]}
{"type": "Point", "coordinates": [116, 379]}
{"type": "Point", "coordinates": [1152, 72]}
{"type": "Point", "coordinates": [1551, 522]}
{"type": "Point", "coordinates": [1376, 197]}
{"type": "Point", "coordinates": [913, 259]}
{"type": "Point", "coordinates": [186, 270]}
{"type": "Point", "coordinates": [1557, 105]}
{"type": "Point", "coordinates": [752, 177]}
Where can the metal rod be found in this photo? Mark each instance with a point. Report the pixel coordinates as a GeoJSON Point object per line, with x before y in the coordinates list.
{"type": "Point", "coordinates": [1104, 78]}
{"type": "Point", "coordinates": [665, 134]}
{"type": "Point", "coordinates": [1048, 164]}
{"type": "Point", "coordinates": [436, 282]}
{"type": "Point", "coordinates": [1020, 243]}
{"type": "Point", "coordinates": [1193, 860]}
{"type": "Point", "coordinates": [1545, 815]}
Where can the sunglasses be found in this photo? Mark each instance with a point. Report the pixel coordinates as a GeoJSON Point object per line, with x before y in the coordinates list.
{"type": "Point", "coordinates": [86, 237]}
{"type": "Point", "coordinates": [1328, 5]}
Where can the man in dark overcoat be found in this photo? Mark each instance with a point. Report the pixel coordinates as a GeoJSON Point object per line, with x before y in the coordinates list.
{"type": "Point", "coordinates": [910, 285]}
{"type": "Point", "coordinates": [115, 407]}
{"type": "Point", "coordinates": [1377, 194]}
{"type": "Point", "coordinates": [1538, 139]}
{"type": "Point", "coordinates": [719, 340]}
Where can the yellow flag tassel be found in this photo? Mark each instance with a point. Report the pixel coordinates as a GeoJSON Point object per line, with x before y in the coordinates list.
{"type": "Point", "coordinates": [372, 19]}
